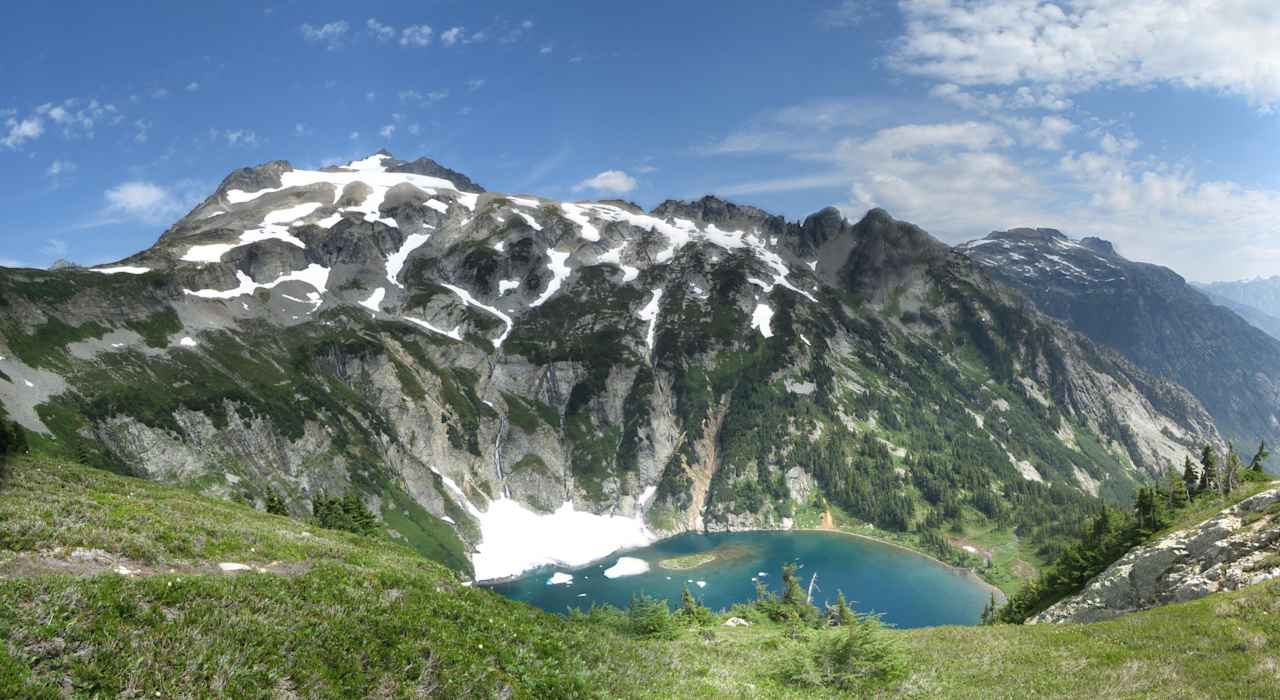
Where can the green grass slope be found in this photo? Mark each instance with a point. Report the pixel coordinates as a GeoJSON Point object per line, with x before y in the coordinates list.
{"type": "Point", "coordinates": [340, 615]}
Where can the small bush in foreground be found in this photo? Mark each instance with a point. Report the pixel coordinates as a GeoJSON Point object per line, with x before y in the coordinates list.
{"type": "Point", "coordinates": [863, 659]}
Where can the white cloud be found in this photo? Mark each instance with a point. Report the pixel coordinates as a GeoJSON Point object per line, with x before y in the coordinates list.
{"type": "Point", "coordinates": [615, 181]}
{"type": "Point", "coordinates": [60, 167]}
{"type": "Point", "coordinates": [415, 128]}
{"type": "Point", "coordinates": [354, 136]}
{"type": "Point", "coordinates": [417, 36]}
{"type": "Point", "coordinates": [301, 129]}
{"type": "Point", "coordinates": [386, 131]}
{"type": "Point", "coordinates": [381, 33]}
{"type": "Point", "coordinates": [332, 35]}
{"type": "Point", "coordinates": [451, 36]}
{"type": "Point", "coordinates": [241, 137]}
{"type": "Point", "coordinates": [370, 96]}
{"type": "Point", "coordinates": [159, 93]}
{"type": "Point", "coordinates": [546, 49]}
{"type": "Point", "coordinates": [193, 86]}
{"type": "Point", "coordinates": [475, 84]}
{"type": "Point", "coordinates": [1075, 45]}
{"type": "Point", "coordinates": [22, 131]}
{"type": "Point", "coordinates": [147, 201]}
{"type": "Point", "coordinates": [142, 129]}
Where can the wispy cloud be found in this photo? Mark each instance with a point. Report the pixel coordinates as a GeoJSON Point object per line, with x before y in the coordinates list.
{"type": "Point", "coordinates": [416, 36]}
{"type": "Point", "coordinates": [381, 33]}
{"type": "Point", "coordinates": [613, 181]}
{"type": "Point", "coordinates": [332, 35]}
{"type": "Point", "coordinates": [22, 131]}
{"type": "Point", "coordinates": [848, 13]}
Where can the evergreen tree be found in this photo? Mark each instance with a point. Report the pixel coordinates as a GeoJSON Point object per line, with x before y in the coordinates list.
{"type": "Point", "coordinates": [1178, 496]}
{"type": "Point", "coordinates": [792, 592]}
{"type": "Point", "coordinates": [19, 439]}
{"type": "Point", "coordinates": [840, 614]}
{"type": "Point", "coordinates": [989, 612]}
{"type": "Point", "coordinates": [275, 504]}
{"type": "Point", "coordinates": [1209, 470]}
{"type": "Point", "coordinates": [1259, 458]}
{"type": "Point", "coordinates": [1190, 479]}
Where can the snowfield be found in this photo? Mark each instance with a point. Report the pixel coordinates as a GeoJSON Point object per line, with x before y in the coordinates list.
{"type": "Point", "coordinates": [515, 539]}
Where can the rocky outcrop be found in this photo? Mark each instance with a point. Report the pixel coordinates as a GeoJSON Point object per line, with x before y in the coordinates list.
{"type": "Point", "coordinates": [1238, 547]}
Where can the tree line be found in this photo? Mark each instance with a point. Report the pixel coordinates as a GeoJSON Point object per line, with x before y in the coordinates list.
{"type": "Point", "coordinates": [13, 441]}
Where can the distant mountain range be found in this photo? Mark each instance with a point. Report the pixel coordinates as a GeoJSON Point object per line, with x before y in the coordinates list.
{"type": "Point", "coordinates": [1256, 300]}
{"type": "Point", "coordinates": [1154, 317]}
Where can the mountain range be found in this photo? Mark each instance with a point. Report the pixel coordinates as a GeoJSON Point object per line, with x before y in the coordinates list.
{"type": "Point", "coordinates": [510, 380]}
{"type": "Point", "coordinates": [1153, 317]}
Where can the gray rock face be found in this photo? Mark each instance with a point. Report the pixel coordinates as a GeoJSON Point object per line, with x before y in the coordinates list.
{"type": "Point", "coordinates": [1153, 317]}
{"type": "Point", "coordinates": [1238, 547]}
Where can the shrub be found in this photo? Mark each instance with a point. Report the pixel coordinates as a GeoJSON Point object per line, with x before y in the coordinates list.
{"type": "Point", "coordinates": [275, 504]}
{"type": "Point", "coordinates": [863, 659]}
{"type": "Point", "coordinates": [692, 612]}
{"type": "Point", "coordinates": [348, 513]}
{"type": "Point", "coordinates": [649, 618]}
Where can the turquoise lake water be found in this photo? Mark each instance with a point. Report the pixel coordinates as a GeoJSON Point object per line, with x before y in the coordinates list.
{"type": "Point", "coordinates": [907, 589]}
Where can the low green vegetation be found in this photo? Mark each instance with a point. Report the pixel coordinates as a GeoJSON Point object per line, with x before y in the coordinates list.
{"type": "Point", "coordinates": [345, 615]}
{"type": "Point", "coordinates": [688, 561]}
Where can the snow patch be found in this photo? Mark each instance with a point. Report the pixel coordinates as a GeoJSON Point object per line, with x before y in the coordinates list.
{"type": "Point", "coordinates": [505, 286]}
{"type": "Point", "coordinates": [578, 215]}
{"type": "Point", "coordinates": [760, 319]}
{"type": "Point", "coordinates": [456, 333]}
{"type": "Point", "coordinates": [514, 539]}
{"type": "Point", "coordinates": [119, 269]}
{"type": "Point", "coordinates": [650, 314]}
{"type": "Point", "coordinates": [466, 297]}
{"type": "Point", "coordinates": [374, 302]}
{"type": "Point", "coordinates": [559, 271]}
{"type": "Point", "coordinates": [315, 275]}
{"type": "Point", "coordinates": [627, 566]}
{"type": "Point", "coordinates": [533, 223]}
{"type": "Point", "coordinates": [187, 342]}
{"type": "Point", "coordinates": [395, 261]}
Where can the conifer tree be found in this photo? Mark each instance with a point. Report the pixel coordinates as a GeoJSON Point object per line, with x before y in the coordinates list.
{"type": "Point", "coordinates": [1260, 457]}
{"type": "Point", "coordinates": [1178, 495]}
{"type": "Point", "coordinates": [1189, 477]}
{"type": "Point", "coordinates": [275, 504]}
{"type": "Point", "coordinates": [840, 614]}
{"type": "Point", "coordinates": [1209, 469]}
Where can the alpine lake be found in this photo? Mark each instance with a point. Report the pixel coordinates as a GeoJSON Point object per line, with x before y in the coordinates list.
{"type": "Point", "coordinates": [905, 588]}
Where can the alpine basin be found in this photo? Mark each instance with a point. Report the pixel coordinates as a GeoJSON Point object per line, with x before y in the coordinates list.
{"type": "Point", "coordinates": [908, 589]}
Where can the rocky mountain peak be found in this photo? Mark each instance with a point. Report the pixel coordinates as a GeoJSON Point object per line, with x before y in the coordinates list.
{"type": "Point", "coordinates": [1100, 246]}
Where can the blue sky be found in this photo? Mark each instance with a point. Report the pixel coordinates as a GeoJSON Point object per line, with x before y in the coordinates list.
{"type": "Point", "coordinates": [1152, 123]}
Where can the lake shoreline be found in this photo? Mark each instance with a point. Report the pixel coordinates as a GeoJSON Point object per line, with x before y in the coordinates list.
{"type": "Point", "coordinates": [1000, 596]}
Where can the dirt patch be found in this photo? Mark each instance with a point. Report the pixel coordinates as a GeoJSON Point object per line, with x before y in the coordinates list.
{"type": "Point", "coordinates": [93, 562]}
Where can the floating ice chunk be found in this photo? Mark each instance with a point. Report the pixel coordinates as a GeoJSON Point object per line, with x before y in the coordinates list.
{"type": "Point", "coordinates": [559, 273]}
{"type": "Point", "coordinates": [374, 302]}
{"type": "Point", "coordinates": [125, 269]}
{"type": "Point", "coordinates": [701, 584]}
{"type": "Point", "coordinates": [650, 314]}
{"type": "Point", "coordinates": [559, 578]}
{"type": "Point", "coordinates": [627, 566]}
{"type": "Point", "coordinates": [760, 319]}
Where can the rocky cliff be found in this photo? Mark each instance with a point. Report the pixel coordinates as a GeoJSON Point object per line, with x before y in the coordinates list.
{"type": "Point", "coordinates": [1238, 547]}
{"type": "Point", "coordinates": [511, 380]}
